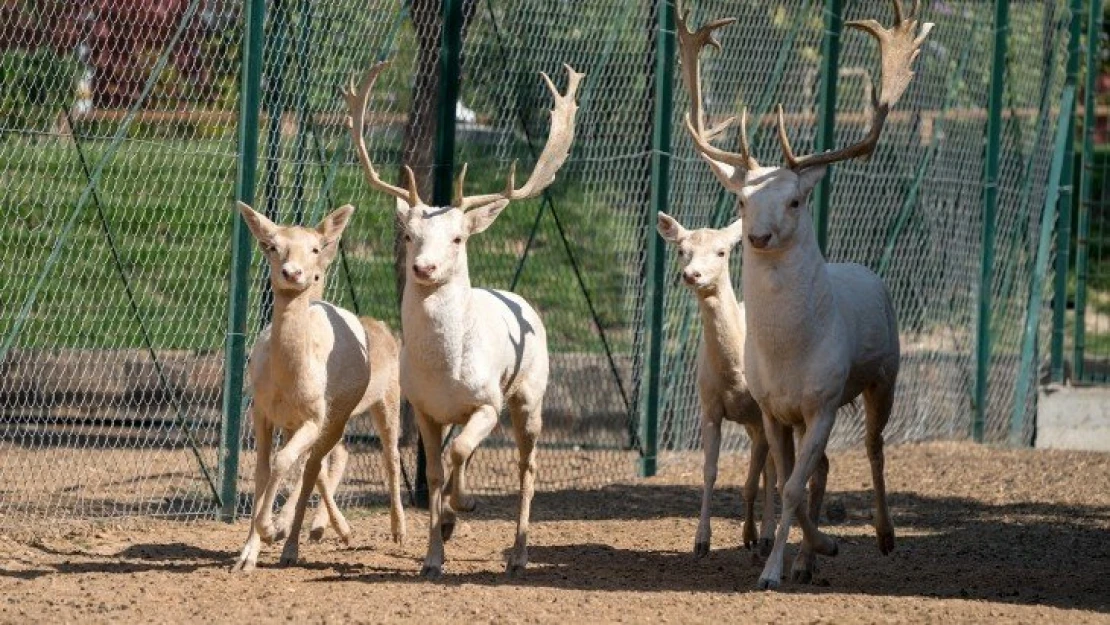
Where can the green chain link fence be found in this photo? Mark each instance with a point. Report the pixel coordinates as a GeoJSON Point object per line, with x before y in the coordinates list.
{"type": "Point", "coordinates": [122, 146]}
{"type": "Point", "coordinates": [1087, 330]}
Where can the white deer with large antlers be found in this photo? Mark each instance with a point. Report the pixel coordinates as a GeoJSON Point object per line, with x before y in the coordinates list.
{"type": "Point", "coordinates": [820, 333]}
{"type": "Point", "coordinates": [467, 352]}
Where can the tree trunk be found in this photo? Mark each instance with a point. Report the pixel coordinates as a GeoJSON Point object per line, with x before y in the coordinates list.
{"type": "Point", "coordinates": [418, 145]}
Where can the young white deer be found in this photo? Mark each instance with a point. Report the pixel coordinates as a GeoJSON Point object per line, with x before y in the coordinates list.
{"type": "Point", "coordinates": [467, 352]}
{"type": "Point", "coordinates": [821, 334]}
{"type": "Point", "coordinates": [722, 390]}
{"type": "Point", "coordinates": [309, 373]}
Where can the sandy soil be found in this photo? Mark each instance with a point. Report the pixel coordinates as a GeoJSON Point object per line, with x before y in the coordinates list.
{"type": "Point", "coordinates": [983, 534]}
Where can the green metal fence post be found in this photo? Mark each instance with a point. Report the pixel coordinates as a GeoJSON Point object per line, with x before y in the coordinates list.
{"type": "Point", "coordinates": [660, 194]}
{"type": "Point", "coordinates": [830, 54]}
{"type": "Point", "coordinates": [235, 345]}
{"type": "Point", "coordinates": [1026, 370]}
{"type": "Point", "coordinates": [449, 71]}
{"type": "Point", "coordinates": [1063, 217]}
{"type": "Point", "coordinates": [1086, 186]}
{"type": "Point", "coordinates": [990, 208]}
{"type": "Point", "coordinates": [305, 9]}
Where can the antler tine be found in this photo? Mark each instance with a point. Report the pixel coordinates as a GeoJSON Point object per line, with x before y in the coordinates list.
{"type": "Point", "coordinates": [899, 46]}
{"type": "Point", "coordinates": [691, 43]}
{"type": "Point", "coordinates": [784, 141]}
{"type": "Point", "coordinates": [554, 154]}
{"type": "Point", "coordinates": [459, 182]}
{"type": "Point", "coordinates": [356, 97]}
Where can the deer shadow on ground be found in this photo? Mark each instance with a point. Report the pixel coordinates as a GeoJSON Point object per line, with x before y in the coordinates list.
{"type": "Point", "coordinates": [948, 547]}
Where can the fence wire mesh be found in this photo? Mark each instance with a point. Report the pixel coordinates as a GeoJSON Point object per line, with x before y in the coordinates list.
{"type": "Point", "coordinates": [118, 151]}
{"type": "Point", "coordinates": [1087, 330]}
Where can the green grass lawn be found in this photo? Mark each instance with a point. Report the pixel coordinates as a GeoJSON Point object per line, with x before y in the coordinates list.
{"type": "Point", "coordinates": [169, 206]}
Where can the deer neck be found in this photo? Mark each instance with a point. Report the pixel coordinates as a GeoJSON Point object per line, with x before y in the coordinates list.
{"type": "Point", "coordinates": [438, 318]}
{"type": "Point", "coordinates": [788, 297]}
{"type": "Point", "coordinates": [290, 332]}
{"type": "Point", "coordinates": [722, 326]}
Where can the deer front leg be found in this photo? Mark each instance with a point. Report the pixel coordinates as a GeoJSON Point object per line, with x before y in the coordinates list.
{"type": "Point", "coordinates": [770, 486]}
{"type": "Point", "coordinates": [331, 469]}
{"type": "Point", "coordinates": [477, 428]}
{"type": "Point", "coordinates": [711, 448]}
{"type": "Point", "coordinates": [291, 551]}
{"type": "Point", "coordinates": [325, 483]}
{"type": "Point", "coordinates": [818, 428]}
{"type": "Point", "coordinates": [284, 461]}
{"type": "Point", "coordinates": [805, 562]}
{"type": "Point", "coordinates": [431, 434]}
{"type": "Point", "coordinates": [285, 513]}
{"type": "Point", "coordinates": [387, 419]}
{"type": "Point", "coordinates": [263, 437]}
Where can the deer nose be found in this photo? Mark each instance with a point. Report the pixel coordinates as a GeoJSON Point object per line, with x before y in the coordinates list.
{"type": "Point", "coordinates": [760, 242]}
{"type": "Point", "coordinates": [424, 271]}
{"type": "Point", "coordinates": [291, 275]}
{"type": "Point", "coordinates": [691, 277]}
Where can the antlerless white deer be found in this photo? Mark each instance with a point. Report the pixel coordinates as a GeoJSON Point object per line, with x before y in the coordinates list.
{"type": "Point", "coordinates": [467, 352]}
{"type": "Point", "coordinates": [819, 334]}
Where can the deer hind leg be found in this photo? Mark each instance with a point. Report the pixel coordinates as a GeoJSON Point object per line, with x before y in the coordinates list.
{"type": "Point", "coordinates": [387, 419]}
{"type": "Point", "coordinates": [527, 424]}
{"type": "Point", "coordinates": [332, 468]}
{"type": "Point", "coordinates": [878, 402]}
{"type": "Point", "coordinates": [756, 462]}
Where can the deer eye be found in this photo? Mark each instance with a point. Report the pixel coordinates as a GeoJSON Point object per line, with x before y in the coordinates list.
{"type": "Point", "coordinates": [457, 240]}
{"type": "Point", "coordinates": [793, 203]}
{"type": "Point", "coordinates": [721, 253]}
{"type": "Point", "coordinates": [315, 250]}
{"type": "Point", "coordinates": [408, 238]}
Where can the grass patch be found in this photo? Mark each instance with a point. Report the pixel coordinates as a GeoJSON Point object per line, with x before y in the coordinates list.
{"type": "Point", "coordinates": [168, 204]}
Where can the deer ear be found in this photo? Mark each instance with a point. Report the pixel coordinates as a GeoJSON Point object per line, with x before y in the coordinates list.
{"type": "Point", "coordinates": [262, 228]}
{"type": "Point", "coordinates": [402, 210]}
{"type": "Point", "coordinates": [808, 179]}
{"type": "Point", "coordinates": [332, 226]}
{"type": "Point", "coordinates": [735, 232]}
{"type": "Point", "coordinates": [480, 218]}
{"type": "Point", "coordinates": [669, 228]}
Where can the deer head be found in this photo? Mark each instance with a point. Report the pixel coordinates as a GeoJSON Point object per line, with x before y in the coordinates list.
{"type": "Point", "coordinates": [298, 256]}
{"type": "Point", "coordinates": [703, 254]}
{"type": "Point", "coordinates": [436, 236]}
{"type": "Point", "coordinates": [772, 199]}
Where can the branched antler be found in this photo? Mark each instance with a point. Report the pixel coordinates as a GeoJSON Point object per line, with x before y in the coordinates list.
{"type": "Point", "coordinates": [898, 48]}
{"type": "Point", "coordinates": [356, 97]}
{"type": "Point", "coordinates": [559, 139]}
{"type": "Point", "coordinates": [690, 47]}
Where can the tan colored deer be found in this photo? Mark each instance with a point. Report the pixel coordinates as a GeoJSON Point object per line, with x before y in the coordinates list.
{"type": "Point", "coordinates": [382, 400]}
{"type": "Point", "coordinates": [820, 333]}
{"type": "Point", "coordinates": [313, 367]}
{"type": "Point", "coordinates": [467, 352]}
{"type": "Point", "coordinates": [722, 390]}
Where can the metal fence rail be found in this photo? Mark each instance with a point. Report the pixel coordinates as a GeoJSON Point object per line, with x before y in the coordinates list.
{"type": "Point", "coordinates": [130, 295]}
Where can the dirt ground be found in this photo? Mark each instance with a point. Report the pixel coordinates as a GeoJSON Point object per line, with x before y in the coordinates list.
{"type": "Point", "coordinates": [983, 534]}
